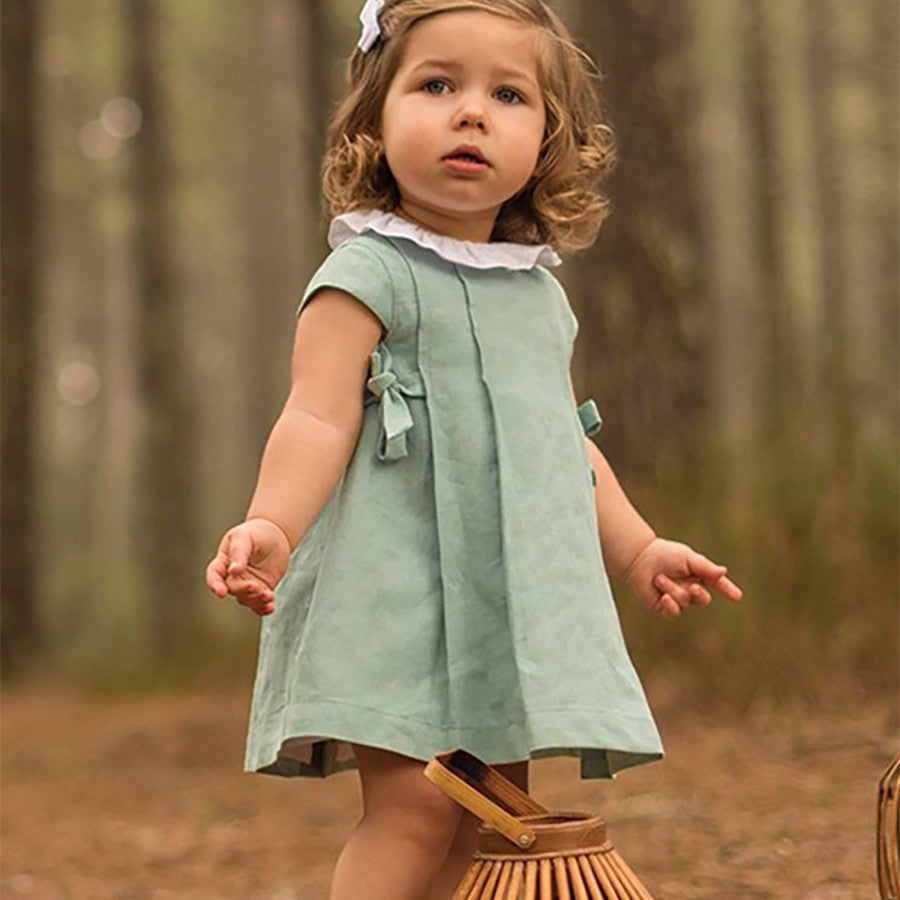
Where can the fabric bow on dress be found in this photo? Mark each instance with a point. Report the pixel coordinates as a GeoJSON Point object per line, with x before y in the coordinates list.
{"type": "Point", "coordinates": [394, 413]}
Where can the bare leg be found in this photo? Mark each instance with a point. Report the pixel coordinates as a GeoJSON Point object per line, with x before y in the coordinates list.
{"type": "Point", "coordinates": [466, 839]}
{"type": "Point", "coordinates": [404, 835]}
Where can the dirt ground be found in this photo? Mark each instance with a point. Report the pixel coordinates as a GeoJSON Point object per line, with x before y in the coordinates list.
{"type": "Point", "coordinates": [144, 797]}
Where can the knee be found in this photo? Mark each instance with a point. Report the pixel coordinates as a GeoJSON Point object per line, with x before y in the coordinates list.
{"type": "Point", "coordinates": [421, 812]}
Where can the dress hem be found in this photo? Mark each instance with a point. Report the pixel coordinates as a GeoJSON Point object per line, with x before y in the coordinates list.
{"type": "Point", "coordinates": [606, 742]}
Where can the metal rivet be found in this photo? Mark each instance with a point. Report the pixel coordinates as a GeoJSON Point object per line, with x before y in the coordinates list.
{"type": "Point", "coordinates": [523, 840]}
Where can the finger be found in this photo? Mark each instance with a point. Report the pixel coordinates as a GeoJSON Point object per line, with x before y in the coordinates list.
{"type": "Point", "coordinates": [728, 588]}
{"type": "Point", "coordinates": [667, 606]}
{"type": "Point", "coordinates": [251, 592]}
{"type": "Point", "coordinates": [215, 576]}
{"type": "Point", "coordinates": [666, 585]}
{"type": "Point", "coordinates": [699, 595]}
{"type": "Point", "coordinates": [254, 604]}
{"type": "Point", "coordinates": [703, 567]}
{"type": "Point", "coordinates": [239, 549]}
{"type": "Point", "coordinates": [245, 581]}
{"type": "Point", "coordinates": [259, 606]}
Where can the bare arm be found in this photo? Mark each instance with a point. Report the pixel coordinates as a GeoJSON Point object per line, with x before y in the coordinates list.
{"type": "Point", "coordinates": [314, 437]}
{"type": "Point", "coordinates": [623, 531]}
{"type": "Point", "coordinates": [307, 451]}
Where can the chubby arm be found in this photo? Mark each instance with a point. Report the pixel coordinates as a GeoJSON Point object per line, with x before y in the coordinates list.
{"type": "Point", "coordinates": [668, 576]}
{"type": "Point", "coordinates": [312, 440]}
{"type": "Point", "coordinates": [307, 451]}
{"type": "Point", "coordinates": [623, 531]}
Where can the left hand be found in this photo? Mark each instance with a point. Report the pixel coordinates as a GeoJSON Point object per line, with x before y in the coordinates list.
{"type": "Point", "coordinates": [670, 577]}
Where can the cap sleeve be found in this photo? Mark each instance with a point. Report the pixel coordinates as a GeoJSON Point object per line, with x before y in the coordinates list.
{"type": "Point", "coordinates": [571, 319]}
{"type": "Point", "coordinates": [357, 269]}
{"type": "Point", "coordinates": [566, 316]}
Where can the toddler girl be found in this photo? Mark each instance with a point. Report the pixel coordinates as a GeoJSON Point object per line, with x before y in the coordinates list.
{"type": "Point", "coordinates": [424, 542]}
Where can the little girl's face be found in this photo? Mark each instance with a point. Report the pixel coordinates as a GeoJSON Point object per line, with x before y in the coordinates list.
{"type": "Point", "coordinates": [463, 120]}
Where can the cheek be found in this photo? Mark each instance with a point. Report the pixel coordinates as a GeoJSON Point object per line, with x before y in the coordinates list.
{"type": "Point", "coordinates": [409, 147]}
{"type": "Point", "coordinates": [529, 148]}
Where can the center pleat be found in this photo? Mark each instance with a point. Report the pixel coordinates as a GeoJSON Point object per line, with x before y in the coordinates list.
{"type": "Point", "coordinates": [467, 498]}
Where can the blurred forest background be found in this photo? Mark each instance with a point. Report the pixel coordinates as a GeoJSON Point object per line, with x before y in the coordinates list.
{"type": "Point", "coordinates": [739, 320]}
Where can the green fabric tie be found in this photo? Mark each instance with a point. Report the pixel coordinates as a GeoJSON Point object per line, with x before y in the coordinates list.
{"type": "Point", "coordinates": [590, 417]}
{"type": "Point", "coordinates": [394, 413]}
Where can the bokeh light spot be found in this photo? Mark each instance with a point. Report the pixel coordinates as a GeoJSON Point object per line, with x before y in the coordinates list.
{"type": "Point", "coordinates": [96, 142]}
{"type": "Point", "coordinates": [121, 117]}
{"type": "Point", "coordinates": [78, 382]}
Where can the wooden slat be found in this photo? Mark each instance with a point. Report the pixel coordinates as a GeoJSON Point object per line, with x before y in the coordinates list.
{"type": "Point", "coordinates": [640, 892]}
{"type": "Point", "coordinates": [893, 844]}
{"type": "Point", "coordinates": [546, 873]}
{"type": "Point", "coordinates": [519, 803]}
{"type": "Point", "coordinates": [480, 879]}
{"type": "Point", "coordinates": [889, 832]}
{"type": "Point", "coordinates": [562, 879]}
{"type": "Point", "coordinates": [463, 888]}
{"type": "Point", "coordinates": [488, 781]}
{"type": "Point", "coordinates": [599, 870]}
{"type": "Point", "coordinates": [596, 891]}
{"type": "Point", "coordinates": [615, 865]}
{"type": "Point", "coordinates": [474, 801]}
{"type": "Point", "coordinates": [621, 890]}
{"type": "Point", "coordinates": [575, 879]}
{"type": "Point", "coordinates": [515, 880]}
{"type": "Point", "coordinates": [503, 880]}
{"type": "Point", "coordinates": [531, 871]}
{"type": "Point", "coordinates": [488, 891]}
{"type": "Point", "coordinates": [888, 853]}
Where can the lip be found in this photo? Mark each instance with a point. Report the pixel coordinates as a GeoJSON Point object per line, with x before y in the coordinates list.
{"type": "Point", "coordinates": [467, 168]}
{"type": "Point", "coordinates": [469, 149]}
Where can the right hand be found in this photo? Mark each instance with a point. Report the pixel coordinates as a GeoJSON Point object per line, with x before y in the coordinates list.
{"type": "Point", "coordinates": [670, 577]}
{"type": "Point", "coordinates": [252, 558]}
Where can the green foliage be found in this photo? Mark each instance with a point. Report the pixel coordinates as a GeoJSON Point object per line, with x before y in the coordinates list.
{"type": "Point", "coordinates": [213, 660]}
{"type": "Point", "coordinates": [815, 552]}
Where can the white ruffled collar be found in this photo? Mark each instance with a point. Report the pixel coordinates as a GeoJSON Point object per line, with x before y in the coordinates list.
{"type": "Point", "coordinates": [500, 254]}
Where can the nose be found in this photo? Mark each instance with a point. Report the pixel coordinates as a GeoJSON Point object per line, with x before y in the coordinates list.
{"type": "Point", "coordinates": [471, 113]}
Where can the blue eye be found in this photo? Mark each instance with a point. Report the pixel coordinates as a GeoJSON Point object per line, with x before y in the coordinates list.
{"type": "Point", "coordinates": [508, 95]}
{"type": "Point", "coordinates": [436, 86]}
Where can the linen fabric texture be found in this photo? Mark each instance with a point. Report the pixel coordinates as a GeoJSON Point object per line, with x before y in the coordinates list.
{"type": "Point", "coordinates": [451, 593]}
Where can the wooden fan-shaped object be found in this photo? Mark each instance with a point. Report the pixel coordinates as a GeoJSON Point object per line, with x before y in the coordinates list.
{"type": "Point", "coordinates": [889, 832]}
{"type": "Point", "coordinates": [526, 852]}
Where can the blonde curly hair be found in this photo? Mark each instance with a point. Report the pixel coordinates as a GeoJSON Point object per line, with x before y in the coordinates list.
{"type": "Point", "coordinates": [561, 204]}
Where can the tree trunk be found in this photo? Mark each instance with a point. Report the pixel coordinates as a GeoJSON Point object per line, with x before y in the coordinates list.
{"type": "Point", "coordinates": [886, 225]}
{"type": "Point", "coordinates": [636, 296]}
{"type": "Point", "coordinates": [779, 398]}
{"type": "Point", "coordinates": [316, 93]}
{"type": "Point", "coordinates": [726, 148]}
{"type": "Point", "coordinates": [282, 228]}
{"type": "Point", "coordinates": [19, 636]}
{"type": "Point", "coordinates": [165, 515]}
{"type": "Point", "coordinates": [864, 183]}
{"type": "Point", "coordinates": [793, 211]}
{"type": "Point", "coordinates": [820, 56]}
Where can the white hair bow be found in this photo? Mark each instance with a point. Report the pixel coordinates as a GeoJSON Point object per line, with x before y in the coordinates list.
{"type": "Point", "coordinates": [371, 30]}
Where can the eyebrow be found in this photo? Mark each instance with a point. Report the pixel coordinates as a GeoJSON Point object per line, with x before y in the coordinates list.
{"type": "Point", "coordinates": [500, 71]}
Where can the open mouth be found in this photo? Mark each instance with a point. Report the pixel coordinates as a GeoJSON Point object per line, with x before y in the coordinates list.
{"type": "Point", "coordinates": [467, 155]}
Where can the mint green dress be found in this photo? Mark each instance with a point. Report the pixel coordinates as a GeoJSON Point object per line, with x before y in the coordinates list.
{"type": "Point", "coordinates": [452, 592]}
